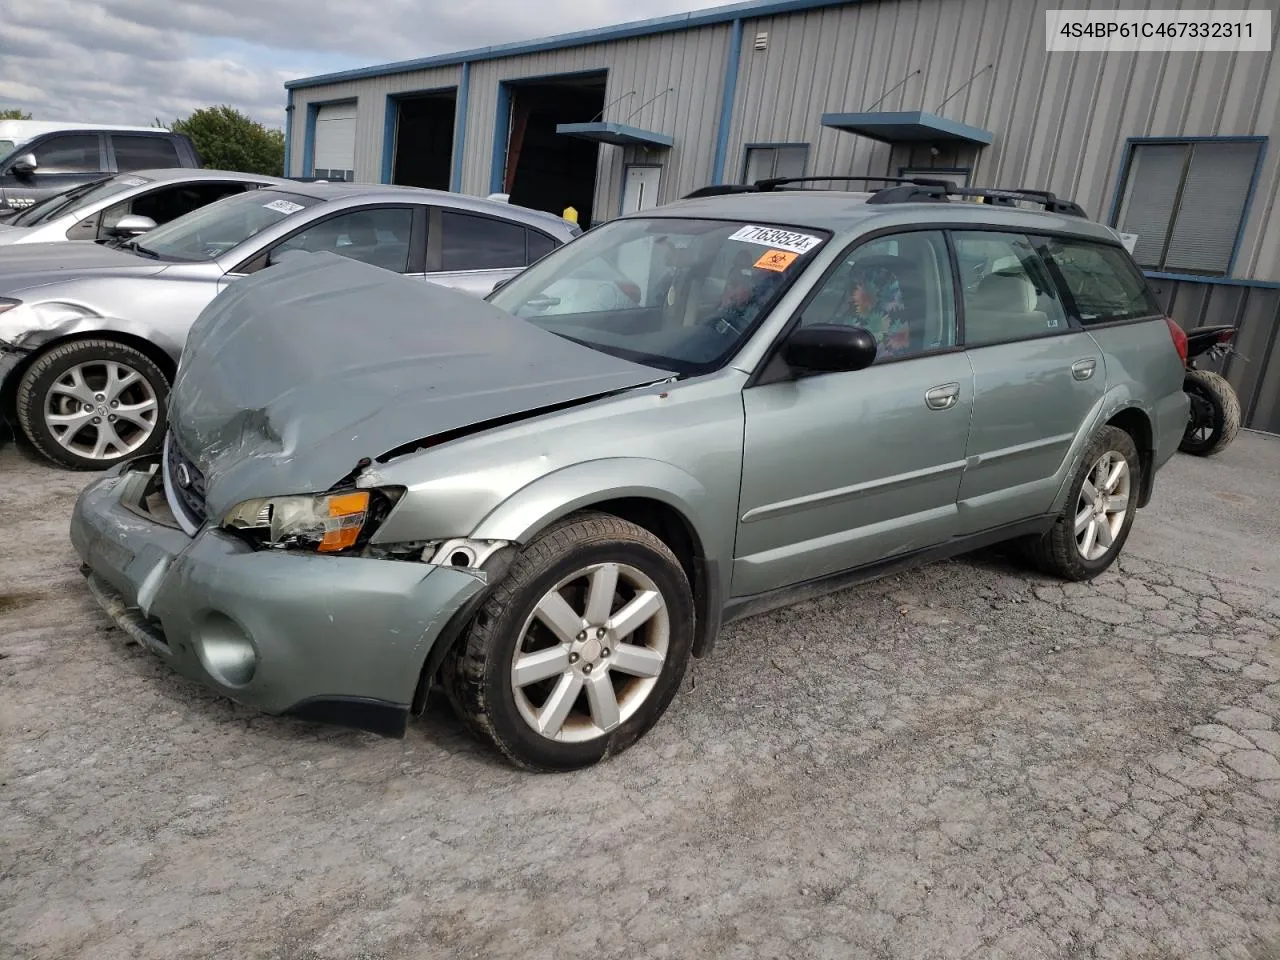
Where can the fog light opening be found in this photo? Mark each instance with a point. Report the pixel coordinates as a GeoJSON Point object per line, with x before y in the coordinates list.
{"type": "Point", "coordinates": [462, 558]}
{"type": "Point", "coordinates": [226, 651]}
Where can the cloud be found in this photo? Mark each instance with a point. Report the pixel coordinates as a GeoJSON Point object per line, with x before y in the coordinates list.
{"type": "Point", "coordinates": [133, 61]}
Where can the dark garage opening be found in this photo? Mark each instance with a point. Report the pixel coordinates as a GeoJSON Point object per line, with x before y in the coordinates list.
{"type": "Point", "coordinates": [424, 140]}
{"type": "Point", "coordinates": [546, 170]}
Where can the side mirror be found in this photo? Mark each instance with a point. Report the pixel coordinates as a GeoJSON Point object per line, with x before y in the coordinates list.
{"type": "Point", "coordinates": [830, 348]}
{"type": "Point", "coordinates": [24, 164]}
{"type": "Point", "coordinates": [132, 225]}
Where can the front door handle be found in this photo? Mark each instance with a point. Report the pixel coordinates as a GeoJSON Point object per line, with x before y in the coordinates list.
{"type": "Point", "coordinates": [942, 397]}
{"type": "Point", "coordinates": [1083, 369]}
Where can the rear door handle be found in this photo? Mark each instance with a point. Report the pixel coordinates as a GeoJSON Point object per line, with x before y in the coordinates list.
{"type": "Point", "coordinates": [942, 397]}
{"type": "Point", "coordinates": [1083, 369]}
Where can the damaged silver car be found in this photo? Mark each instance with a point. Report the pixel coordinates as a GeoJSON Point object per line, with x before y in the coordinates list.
{"type": "Point", "coordinates": [548, 502]}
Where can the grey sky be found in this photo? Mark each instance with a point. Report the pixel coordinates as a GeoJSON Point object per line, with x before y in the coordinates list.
{"type": "Point", "coordinates": [133, 61]}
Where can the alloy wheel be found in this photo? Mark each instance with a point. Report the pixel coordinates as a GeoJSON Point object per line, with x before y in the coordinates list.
{"type": "Point", "coordinates": [1103, 505]}
{"type": "Point", "coordinates": [101, 409]}
{"type": "Point", "coordinates": [591, 652]}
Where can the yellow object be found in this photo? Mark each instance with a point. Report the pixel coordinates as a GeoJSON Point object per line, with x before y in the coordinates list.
{"type": "Point", "coordinates": [346, 517]}
{"type": "Point", "coordinates": [570, 214]}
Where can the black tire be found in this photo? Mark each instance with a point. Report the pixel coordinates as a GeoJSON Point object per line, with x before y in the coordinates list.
{"type": "Point", "coordinates": [476, 675]}
{"type": "Point", "coordinates": [49, 368]}
{"type": "Point", "coordinates": [1223, 414]}
{"type": "Point", "coordinates": [1057, 552]}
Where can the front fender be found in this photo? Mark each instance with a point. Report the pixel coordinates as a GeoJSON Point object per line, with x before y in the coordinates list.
{"type": "Point", "coordinates": [540, 503]}
{"type": "Point", "coordinates": [81, 321]}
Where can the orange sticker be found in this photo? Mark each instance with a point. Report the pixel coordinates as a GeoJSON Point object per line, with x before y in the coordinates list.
{"type": "Point", "coordinates": [776, 260]}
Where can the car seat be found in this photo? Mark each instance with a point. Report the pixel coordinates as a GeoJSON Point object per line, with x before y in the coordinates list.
{"type": "Point", "coordinates": [1002, 307]}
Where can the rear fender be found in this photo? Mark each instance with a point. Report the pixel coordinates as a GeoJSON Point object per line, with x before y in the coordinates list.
{"type": "Point", "coordinates": [1116, 400]}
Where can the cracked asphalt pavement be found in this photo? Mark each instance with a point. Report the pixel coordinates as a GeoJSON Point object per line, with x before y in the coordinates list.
{"type": "Point", "coordinates": [963, 761]}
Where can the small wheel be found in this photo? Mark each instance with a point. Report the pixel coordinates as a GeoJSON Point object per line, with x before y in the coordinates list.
{"type": "Point", "coordinates": [1093, 526]}
{"type": "Point", "coordinates": [89, 404]}
{"type": "Point", "coordinates": [579, 650]}
{"type": "Point", "coordinates": [1214, 419]}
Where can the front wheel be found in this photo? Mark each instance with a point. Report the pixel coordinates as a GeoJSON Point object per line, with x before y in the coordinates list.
{"type": "Point", "coordinates": [1094, 524]}
{"type": "Point", "coordinates": [89, 404]}
{"type": "Point", "coordinates": [579, 650]}
{"type": "Point", "coordinates": [1214, 419]}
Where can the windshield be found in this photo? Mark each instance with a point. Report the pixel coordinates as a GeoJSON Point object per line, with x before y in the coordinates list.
{"type": "Point", "coordinates": [77, 198]}
{"type": "Point", "coordinates": [211, 231]}
{"type": "Point", "coordinates": [683, 295]}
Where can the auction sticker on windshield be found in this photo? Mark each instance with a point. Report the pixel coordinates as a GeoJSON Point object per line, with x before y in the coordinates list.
{"type": "Point", "coordinates": [778, 239]}
{"type": "Point", "coordinates": [283, 206]}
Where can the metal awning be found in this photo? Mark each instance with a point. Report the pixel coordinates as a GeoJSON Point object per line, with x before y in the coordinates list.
{"type": "Point", "coordinates": [909, 126]}
{"type": "Point", "coordinates": [618, 134]}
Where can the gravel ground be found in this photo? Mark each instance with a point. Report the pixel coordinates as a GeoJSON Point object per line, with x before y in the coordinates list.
{"type": "Point", "coordinates": [963, 761]}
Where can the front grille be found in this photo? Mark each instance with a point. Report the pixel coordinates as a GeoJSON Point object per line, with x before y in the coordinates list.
{"type": "Point", "coordinates": [189, 496]}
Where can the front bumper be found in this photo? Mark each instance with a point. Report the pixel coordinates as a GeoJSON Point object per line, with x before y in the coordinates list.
{"type": "Point", "coordinates": [333, 638]}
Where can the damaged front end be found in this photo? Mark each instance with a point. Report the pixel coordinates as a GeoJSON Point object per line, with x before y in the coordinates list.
{"type": "Point", "coordinates": [348, 637]}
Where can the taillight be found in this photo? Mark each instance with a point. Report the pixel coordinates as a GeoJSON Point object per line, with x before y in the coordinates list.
{"type": "Point", "coordinates": [1179, 339]}
{"type": "Point", "coordinates": [1225, 336]}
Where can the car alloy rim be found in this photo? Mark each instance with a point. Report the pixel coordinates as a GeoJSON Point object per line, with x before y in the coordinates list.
{"type": "Point", "coordinates": [590, 653]}
{"type": "Point", "coordinates": [101, 410]}
{"type": "Point", "coordinates": [1103, 505]}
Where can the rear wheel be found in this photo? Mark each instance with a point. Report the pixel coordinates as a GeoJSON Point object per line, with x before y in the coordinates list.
{"type": "Point", "coordinates": [89, 404]}
{"type": "Point", "coordinates": [580, 649]}
{"type": "Point", "coordinates": [1093, 526]}
{"type": "Point", "coordinates": [1214, 419]}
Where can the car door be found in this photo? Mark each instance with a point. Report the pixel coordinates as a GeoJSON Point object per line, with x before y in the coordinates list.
{"type": "Point", "coordinates": [841, 470]}
{"type": "Point", "coordinates": [1037, 379]}
{"type": "Point", "coordinates": [63, 160]}
{"type": "Point", "coordinates": [473, 252]}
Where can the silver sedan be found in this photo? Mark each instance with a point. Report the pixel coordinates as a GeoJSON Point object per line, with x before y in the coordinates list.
{"type": "Point", "coordinates": [90, 335]}
{"type": "Point", "coordinates": [126, 205]}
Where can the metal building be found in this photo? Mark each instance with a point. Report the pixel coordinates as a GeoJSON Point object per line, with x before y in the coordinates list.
{"type": "Point", "coordinates": [1174, 148]}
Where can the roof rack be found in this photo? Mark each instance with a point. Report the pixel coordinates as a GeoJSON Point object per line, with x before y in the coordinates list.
{"type": "Point", "coordinates": [910, 190]}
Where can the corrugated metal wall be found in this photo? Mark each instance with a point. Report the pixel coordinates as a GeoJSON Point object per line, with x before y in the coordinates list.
{"type": "Point", "coordinates": [371, 97]}
{"type": "Point", "coordinates": [1254, 368]}
{"type": "Point", "coordinates": [1060, 120]}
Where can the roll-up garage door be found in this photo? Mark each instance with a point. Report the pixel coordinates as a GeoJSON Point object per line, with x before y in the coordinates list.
{"type": "Point", "coordinates": [335, 153]}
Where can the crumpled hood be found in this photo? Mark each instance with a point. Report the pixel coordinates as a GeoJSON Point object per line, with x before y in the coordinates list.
{"type": "Point", "coordinates": [293, 375]}
{"type": "Point", "coordinates": [31, 264]}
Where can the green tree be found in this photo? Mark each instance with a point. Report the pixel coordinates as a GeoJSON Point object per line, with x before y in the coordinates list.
{"type": "Point", "coordinates": [229, 140]}
{"type": "Point", "coordinates": [13, 113]}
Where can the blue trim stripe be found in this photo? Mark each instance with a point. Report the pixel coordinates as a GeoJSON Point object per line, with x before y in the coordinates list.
{"type": "Point", "coordinates": [309, 141]}
{"type": "Point", "coordinates": [625, 31]}
{"type": "Point", "coordinates": [501, 136]}
{"type": "Point", "coordinates": [288, 136]}
{"type": "Point", "coordinates": [728, 96]}
{"type": "Point", "coordinates": [460, 128]}
{"type": "Point", "coordinates": [1248, 204]}
{"type": "Point", "coordinates": [1213, 281]}
{"type": "Point", "coordinates": [391, 117]}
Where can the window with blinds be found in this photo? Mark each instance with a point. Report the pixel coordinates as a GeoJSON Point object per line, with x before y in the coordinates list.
{"type": "Point", "coordinates": [764, 163]}
{"type": "Point", "coordinates": [1186, 202]}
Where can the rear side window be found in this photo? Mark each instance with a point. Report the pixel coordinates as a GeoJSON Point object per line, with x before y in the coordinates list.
{"type": "Point", "coordinates": [1101, 281]}
{"type": "Point", "coordinates": [480, 243]}
{"type": "Point", "coordinates": [143, 152]}
{"type": "Point", "coordinates": [74, 153]}
{"type": "Point", "coordinates": [539, 245]}
{"type": "Point", "coordinates": [1008, 292]}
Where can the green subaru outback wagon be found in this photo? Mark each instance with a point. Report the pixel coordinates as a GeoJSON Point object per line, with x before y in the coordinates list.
{"type": "Point", "coordinates": [546, 503]}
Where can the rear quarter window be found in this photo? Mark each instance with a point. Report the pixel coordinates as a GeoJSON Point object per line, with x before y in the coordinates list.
{"type": "Point", "coordinates": [1102, 283]}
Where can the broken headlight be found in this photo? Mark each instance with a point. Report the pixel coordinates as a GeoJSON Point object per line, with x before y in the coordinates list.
{"type": "Point", "coordinates": [325, 522]}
